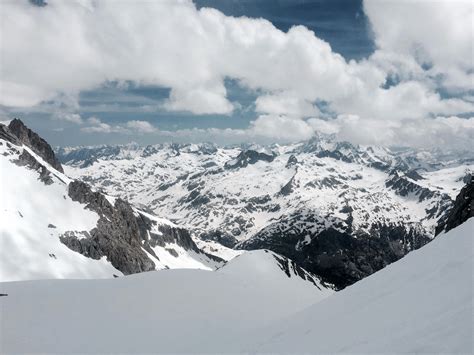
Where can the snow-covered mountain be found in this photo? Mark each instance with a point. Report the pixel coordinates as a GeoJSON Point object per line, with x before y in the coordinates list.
{"type": "Point", "coordinates": [420, 304]}
{"type": "Point", "coordinates": [243, 301]}
{"type": "Point", "coordinates": [341, 211]}
{"type": "Point", "coordinates": [54, 227]}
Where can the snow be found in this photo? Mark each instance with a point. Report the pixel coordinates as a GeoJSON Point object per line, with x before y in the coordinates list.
{"type": "Point", "coordinates": [167, 183]}
{"type": "Point", "coordinates": [34, 215]}
{"type": "Point", "coordinates": [29, 247]}
{"type": "Point", "coordinates": [448, 180]}
{"type": "Point", "coordinates": [186, 259]}
{"type": "Point", "coordinates": [217, 249]}
{"type": "Point", "coordinates": [420, 304]}
{"type": "Point", "coordinates": [163, 311]}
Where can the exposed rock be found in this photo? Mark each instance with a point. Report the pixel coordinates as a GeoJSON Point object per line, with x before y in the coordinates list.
{"type": "Point", "coordinates": [289, 267]}
{"type": "Point", "coordinates": [247, 157]}
{"type": "Point", "coordinates": [7, 135]}
{"type": "Point", "coordinates": [122, 234]}
{"type": "Point", "coordinates": [118, 235]}
{"type": "Point", "coordinates": [35, 142]}
{"type": "Point", "coordinates": [413, 174]}
{"type": "Point", "coordinates": [26, 159]}
{"type": "Point", "coordinates": [404, 187]}
{"type": "Point", "coordinates": [337, 256]}
{"type": "Point", "coordinates": [226, 240]}
{"type": "Point", "coordinates": [288, 187]}
{"type": "Point", "coordinates": [291, 161]}
{"type": "Point", "coordinates": [462, 210]}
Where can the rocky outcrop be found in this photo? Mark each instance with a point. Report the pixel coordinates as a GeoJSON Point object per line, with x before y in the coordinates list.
{"type": "Point", "coordinates": [37, 144]}
{"type": "Point", "coordinates": [122, 234]}
{"type": "Point", "coordinates": [218, 236]}
{"type": "Point", "coordinates": [462, 210]}
{"type": "Point", "coordinates": [337, 255]}
{"type": "Point", "coordinates": [292, 161]}
{"type": "Point", "coordinates": [287, 189]}
{"type": "Point", "coordinates": [247, 157]}
{"type": "Point", "coordinates": [26, 159]}
{"type": "Point", "coordinates": [119, 235]}
{"type": "Point", "coordinates": [289, 267]}
{"type": "Point", "coordinates": [403, 185]}
{"type": "Point", "coordinates": [6, 135]}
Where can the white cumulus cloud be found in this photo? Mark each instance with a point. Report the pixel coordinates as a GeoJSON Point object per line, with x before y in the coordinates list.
{"type": "Point", "coordinates": [425, 47]}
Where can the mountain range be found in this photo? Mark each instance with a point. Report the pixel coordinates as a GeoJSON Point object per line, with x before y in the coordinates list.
{"type": "Point", "coordinates": [146, 238]}
{"type": "Point", "coordinates": [339, 210]}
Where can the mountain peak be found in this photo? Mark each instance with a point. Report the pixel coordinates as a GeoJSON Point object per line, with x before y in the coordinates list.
{"type": "Point", "coordinates": [31, 139]}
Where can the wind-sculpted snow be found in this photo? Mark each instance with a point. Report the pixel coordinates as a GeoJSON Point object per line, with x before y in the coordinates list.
{"type": "Point", "coordinates": [270, 197]}
{"type": "Point", "coordinates": [420, 304]}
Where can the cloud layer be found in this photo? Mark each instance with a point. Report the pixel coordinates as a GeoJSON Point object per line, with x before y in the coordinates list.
{"type": "Point", "coordinates": [420, 79]}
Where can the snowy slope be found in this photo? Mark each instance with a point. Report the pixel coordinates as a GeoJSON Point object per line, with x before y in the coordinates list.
{"type": "Point", "coordinates": [46, 233]}
{"type": "Point", "coordinates": [32, 217]}
{"type": "Point", "coordinates": [420, 304]}
{"type": "Point", "coordinates": [159, 312]}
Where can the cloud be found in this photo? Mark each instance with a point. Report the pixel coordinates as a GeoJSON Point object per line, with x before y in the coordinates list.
{"type": "Point", "coordinates": [438, 35]}
{"type": "Point", "coordinates": [69, 117]}
{"type": "Point", "coordinates": [287, 104]}
{"type": "Point", "coordinates": [140, 126]}
{"type": "Point", "coordinates": [95, 125]}
{"type": "Point", "coordinates": [281, 128]}
{"type": "Point", "coordinates": [74, 46]}
{"type": "Point", "coordinates": [443, 131]}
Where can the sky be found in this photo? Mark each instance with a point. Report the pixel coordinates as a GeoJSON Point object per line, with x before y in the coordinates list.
{"type": "Point", "coordinates": [88, 72]}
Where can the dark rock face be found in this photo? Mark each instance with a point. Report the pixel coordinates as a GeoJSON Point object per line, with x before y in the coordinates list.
{"type": "Point", "coordinates": [226, 240]}
{"type": "Point", "coordinates": [122, 233]}
{"type": "Point", "coordinates": [462, 210]}
{"type": "Point", "coordinates": [289, 267]}
{"type": "Point", "coordinates": [404, 187]}
{"type": "Point", "coordinates": [291, 161]}
{"type": "Point", "coordinates": [413, 174]}
{"type": "Point", "coordinates": [26, 159]}
{"type": "Point", "coordinates": [35, 142]}
{"type": "Point", "coordinates": [247, 157]}
{"type": "Point", "coordinates": [337, 256]}
{"type": "Point", "coordinates": [118, 235]}
{"type": "Point", "coordinates": [287, 189]}
{"type": "Point", "coordinates": [8, 136]}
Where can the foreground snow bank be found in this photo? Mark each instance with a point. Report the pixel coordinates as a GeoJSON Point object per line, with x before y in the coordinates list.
{"type": "Point", "coordinates": [163, 311]}
{"type": "Point", "coordinates": [420, 304]}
